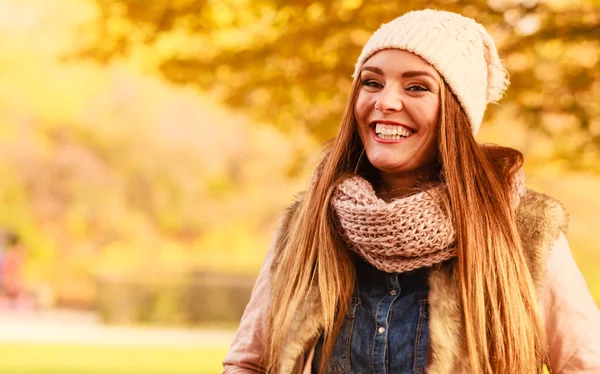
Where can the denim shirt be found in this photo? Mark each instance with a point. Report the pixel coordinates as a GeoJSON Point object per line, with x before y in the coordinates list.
{"type": "Point", "coordinates": [386, 329]}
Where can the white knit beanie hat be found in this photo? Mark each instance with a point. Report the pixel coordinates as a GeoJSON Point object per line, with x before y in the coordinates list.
{"type": "Point", "coordinates": [459, 48]}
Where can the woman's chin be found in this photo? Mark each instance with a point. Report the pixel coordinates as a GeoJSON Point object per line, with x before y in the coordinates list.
{"type": "Point", "coordinates": [403, 167]}
{"type": "Point", "coordinates": [391, 167]}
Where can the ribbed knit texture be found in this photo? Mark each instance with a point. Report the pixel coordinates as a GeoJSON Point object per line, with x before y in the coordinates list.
{"type": "Point", "coordinates": [459, 48]}
{"type": "Point", "coordinates": [405, 234]}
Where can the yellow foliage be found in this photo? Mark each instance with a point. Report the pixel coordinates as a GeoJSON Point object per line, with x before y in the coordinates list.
{"type": "Point", "coordinates": [108, 170]}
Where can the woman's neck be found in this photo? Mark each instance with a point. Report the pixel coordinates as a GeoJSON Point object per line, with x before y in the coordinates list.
{"type": "Point", "coordinates": [393, 186]}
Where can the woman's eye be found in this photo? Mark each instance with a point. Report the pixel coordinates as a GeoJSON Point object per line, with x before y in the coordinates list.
{"type": "Point", "coordinates": [417, 88]}
{"type": "Point", "coordinates": [371, 83]}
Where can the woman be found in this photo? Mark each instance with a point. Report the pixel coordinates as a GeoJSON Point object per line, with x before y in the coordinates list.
{"type": "Point", "coordinates": [416, 249]}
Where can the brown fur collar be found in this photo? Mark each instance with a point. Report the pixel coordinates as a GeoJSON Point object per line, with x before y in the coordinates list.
{"type": "Point", "coordinates": [539, 221]}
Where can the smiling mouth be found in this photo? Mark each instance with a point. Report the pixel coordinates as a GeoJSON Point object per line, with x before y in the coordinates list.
{"type": "Point", "coordinates": [391, 132]}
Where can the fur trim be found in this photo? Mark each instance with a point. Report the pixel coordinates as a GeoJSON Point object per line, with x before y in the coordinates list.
{"type": "Point", "coordinates": [284, 228]}
{"type": "Point", "coordinates": [445, 323]}
{"type": "Point", "coordinates": [540, 219]}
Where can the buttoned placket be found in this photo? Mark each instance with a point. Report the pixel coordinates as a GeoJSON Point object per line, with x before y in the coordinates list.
{"type": "Point", "coordinates": [383, 317]}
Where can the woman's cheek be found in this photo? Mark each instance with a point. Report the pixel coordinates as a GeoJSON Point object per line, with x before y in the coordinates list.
{"type": "Point", "coordinates": [362, 108]}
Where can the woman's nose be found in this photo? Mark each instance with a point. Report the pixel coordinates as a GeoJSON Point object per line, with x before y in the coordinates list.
{"type": "Point", "coordinates": [390, 100]}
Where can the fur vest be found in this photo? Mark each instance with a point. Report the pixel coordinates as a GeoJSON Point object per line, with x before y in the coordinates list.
{"type": "Point", "coordinates": [539, 220]}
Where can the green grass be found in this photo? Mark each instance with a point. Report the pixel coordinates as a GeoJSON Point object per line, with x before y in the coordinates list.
{"type": "Point", "coordinates": [74, 359]}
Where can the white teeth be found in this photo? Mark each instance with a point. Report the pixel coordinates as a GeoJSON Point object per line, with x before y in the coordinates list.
{"type": "Point", "coordinates": [391, 131]}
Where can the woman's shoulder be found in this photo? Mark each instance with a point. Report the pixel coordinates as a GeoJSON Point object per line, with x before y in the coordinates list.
{"type": "Point", "coordinates": [540, 220]}
{"type": "Point", "coordinates": [282, 232]}
{"type": "Point", "coordinates": [540, 214]}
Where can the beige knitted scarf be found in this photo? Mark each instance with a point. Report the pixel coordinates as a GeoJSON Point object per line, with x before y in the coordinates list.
{"type": "Point", "coordinates": [405, 234]}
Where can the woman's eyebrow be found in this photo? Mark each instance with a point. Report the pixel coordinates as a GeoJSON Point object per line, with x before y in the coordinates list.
{"type": "Point", "coordinates": [373, 69]}
{"type": "Point", "coordinates": [417, 73]}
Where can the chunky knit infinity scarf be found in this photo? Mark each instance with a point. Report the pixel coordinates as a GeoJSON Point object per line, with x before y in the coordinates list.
{"type": "Point", "coordinates": [405, 234]}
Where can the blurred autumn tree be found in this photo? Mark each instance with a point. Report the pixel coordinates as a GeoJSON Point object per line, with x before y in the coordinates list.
{"type": "Point", "coordinates": [108, 171]}
{"type": "Point", "coordinates": [289, 62]}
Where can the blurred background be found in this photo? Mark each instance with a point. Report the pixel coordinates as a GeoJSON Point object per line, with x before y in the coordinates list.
{"type": "Point", "coordinates": [147, 149]}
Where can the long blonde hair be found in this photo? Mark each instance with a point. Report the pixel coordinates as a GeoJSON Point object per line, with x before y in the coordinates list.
{"type": "Point", "coordinates": [502, 326]}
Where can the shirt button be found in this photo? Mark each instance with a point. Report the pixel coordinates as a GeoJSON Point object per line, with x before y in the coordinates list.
{"type": "Point", "coordinates": [393, 292]}
{"type": "Point", "coordinates": [381, 330]}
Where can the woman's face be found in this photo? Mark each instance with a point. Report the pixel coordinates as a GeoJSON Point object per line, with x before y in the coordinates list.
{"type": "Point", "coordinates": [397, 111]}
